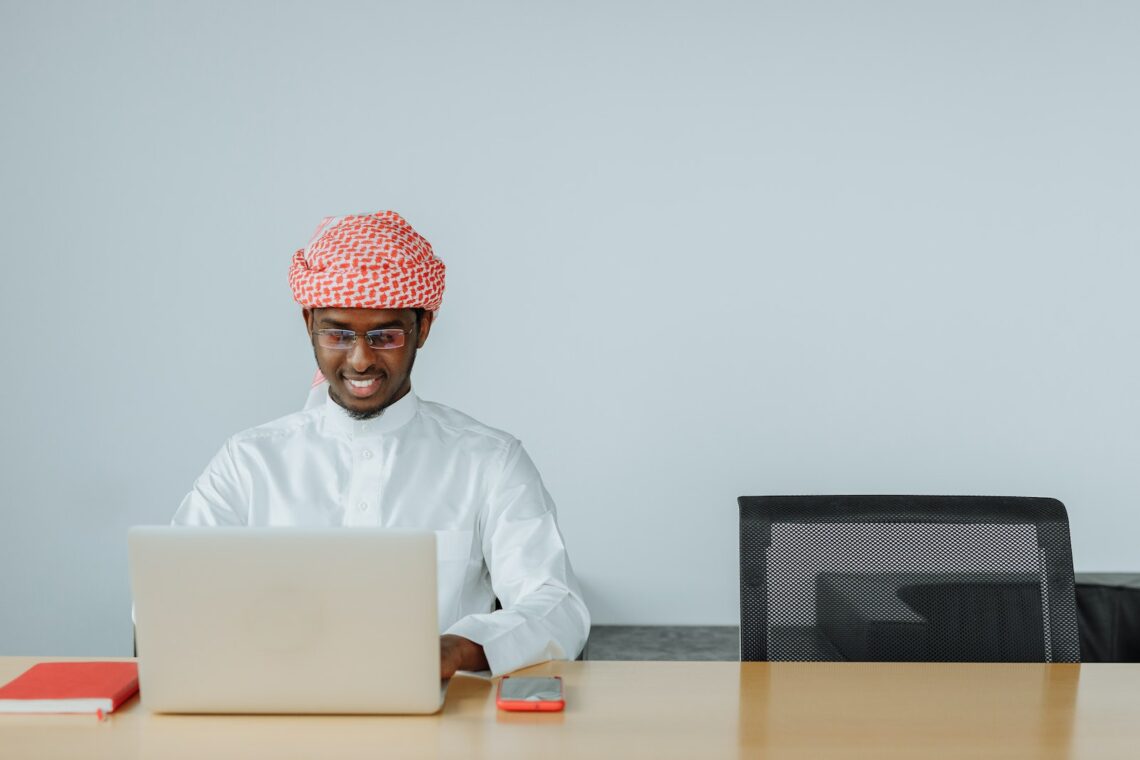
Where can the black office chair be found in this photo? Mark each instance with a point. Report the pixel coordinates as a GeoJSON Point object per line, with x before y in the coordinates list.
{"type": "Point", "coordinates": [906, 578]}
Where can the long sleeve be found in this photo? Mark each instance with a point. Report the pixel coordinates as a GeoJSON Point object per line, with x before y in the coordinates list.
{"type": "Point", "coordinates": [218, 496]}
{"type": "Point", "coordinates": [543, 615]}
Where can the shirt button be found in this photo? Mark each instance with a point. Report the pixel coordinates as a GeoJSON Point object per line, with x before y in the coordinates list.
{"type": "Point", "coordinates": [363, 506]}
{"type": "Point", "coordinates": [366, 454]}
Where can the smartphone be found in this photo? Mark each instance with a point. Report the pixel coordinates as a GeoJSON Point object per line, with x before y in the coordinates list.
{"type": "Point", "coordinates": [520, 693]}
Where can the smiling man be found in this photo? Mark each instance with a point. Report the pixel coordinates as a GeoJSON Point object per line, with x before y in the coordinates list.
{"type": "Point", "coordinates": [372, 453]}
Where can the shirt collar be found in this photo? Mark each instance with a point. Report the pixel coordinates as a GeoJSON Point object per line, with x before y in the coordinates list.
{"type": "Point", "coordinates": [394, 416]}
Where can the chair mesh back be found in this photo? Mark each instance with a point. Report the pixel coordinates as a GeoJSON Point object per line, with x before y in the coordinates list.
{"type": "Point", "coordinates": [906, 578]}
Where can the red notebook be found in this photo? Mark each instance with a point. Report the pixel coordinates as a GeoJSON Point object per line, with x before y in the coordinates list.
{"type": "Point", "coordinates": [70, 687]}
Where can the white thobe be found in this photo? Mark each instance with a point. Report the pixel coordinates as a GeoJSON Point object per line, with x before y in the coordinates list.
{"type": "Point", "coordinates": [425, 466]}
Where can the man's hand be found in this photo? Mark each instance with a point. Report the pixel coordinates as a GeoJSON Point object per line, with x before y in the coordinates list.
{"type": "Point", "coordinates": [458, 653]}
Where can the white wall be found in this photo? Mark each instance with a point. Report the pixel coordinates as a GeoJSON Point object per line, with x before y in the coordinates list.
{"type": "Point", "coordinates": [694, 251]}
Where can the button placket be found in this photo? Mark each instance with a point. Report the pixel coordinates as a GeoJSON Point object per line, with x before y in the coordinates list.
{"type": "Point", "coordinates": [363, 498]}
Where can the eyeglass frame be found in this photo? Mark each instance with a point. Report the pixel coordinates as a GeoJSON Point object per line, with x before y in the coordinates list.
{"type": "Point", "coordinates": [356, 336]}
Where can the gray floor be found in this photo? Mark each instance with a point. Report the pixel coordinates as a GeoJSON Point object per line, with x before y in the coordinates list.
{"type": "Point", "coordinates": [658, 642]}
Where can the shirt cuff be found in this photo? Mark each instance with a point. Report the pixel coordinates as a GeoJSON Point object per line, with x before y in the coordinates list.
{"type": "Point", "coordinates": [507, 648]}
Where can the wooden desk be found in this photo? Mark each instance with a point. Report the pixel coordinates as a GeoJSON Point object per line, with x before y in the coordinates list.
{"type": "Point", "coordinates": [665, 710]}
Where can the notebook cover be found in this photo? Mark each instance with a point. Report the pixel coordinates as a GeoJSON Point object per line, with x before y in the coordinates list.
{"type": "Point", "coordinates": [65, 681]}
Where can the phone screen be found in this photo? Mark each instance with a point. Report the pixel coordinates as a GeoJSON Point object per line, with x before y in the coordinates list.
{"type": "Point", "coordinates": [531, 689]}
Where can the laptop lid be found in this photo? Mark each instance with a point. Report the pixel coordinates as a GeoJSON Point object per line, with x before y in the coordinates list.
{"type": "Point", "coordinates": [285, 620]}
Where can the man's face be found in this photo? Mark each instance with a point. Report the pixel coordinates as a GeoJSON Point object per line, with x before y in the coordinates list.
{"type": "Point", "coordinates": [362, 379]}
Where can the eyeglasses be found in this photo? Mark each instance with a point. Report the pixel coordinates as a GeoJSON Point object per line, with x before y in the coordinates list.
{"type": "Point", "coordinates": [343, 340]}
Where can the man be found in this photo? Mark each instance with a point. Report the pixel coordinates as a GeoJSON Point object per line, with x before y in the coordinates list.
{"type": "Point", "coordinates": [373, 454]}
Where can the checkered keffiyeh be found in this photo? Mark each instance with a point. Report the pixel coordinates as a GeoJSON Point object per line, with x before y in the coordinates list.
{"type": "Point", "coordinates": [367, 261]}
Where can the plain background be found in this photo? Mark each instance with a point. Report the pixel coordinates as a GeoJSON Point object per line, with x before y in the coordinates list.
{"type": "Point", "coordinates": [695, 250]}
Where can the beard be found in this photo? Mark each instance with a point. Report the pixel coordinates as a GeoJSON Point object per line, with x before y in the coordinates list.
{"type": "Point", "coordinates": [362, 414]}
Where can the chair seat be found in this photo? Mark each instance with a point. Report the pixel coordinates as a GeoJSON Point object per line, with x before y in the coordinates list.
{"type": "Point", "coordinates": [921, 617]}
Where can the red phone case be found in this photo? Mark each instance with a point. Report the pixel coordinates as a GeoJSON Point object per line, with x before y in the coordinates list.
{"type": "Point", "coordinates": [544, 705]}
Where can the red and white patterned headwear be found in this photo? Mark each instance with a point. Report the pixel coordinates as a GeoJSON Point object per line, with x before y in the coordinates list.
{"type": "Point", "coordinates": [367, 261]}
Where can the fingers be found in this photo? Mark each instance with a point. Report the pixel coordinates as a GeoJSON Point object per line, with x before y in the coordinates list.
{"type": "Point", "coordinates": [449, 658]}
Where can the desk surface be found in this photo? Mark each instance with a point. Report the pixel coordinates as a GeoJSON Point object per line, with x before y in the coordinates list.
{"type": "Point", "coordinates": [664, 710]}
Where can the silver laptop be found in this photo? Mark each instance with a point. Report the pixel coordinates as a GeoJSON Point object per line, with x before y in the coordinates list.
{"type": "Point", "coordinates": [286, 620]}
